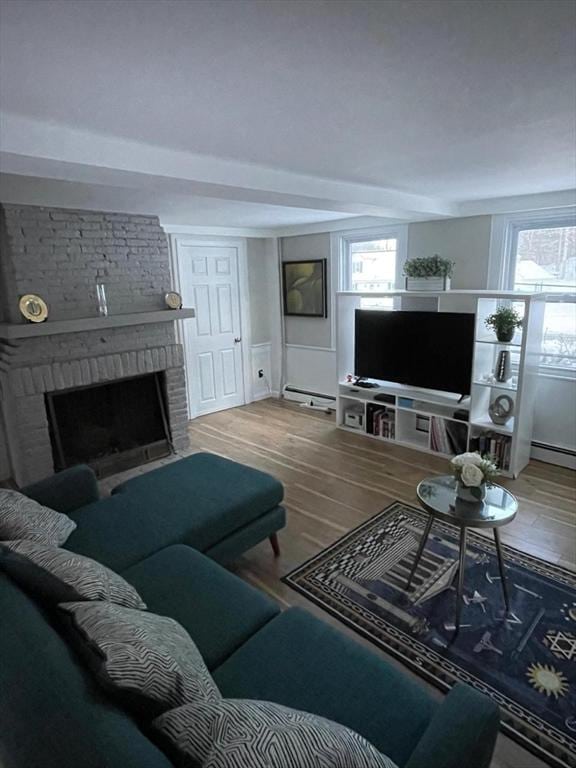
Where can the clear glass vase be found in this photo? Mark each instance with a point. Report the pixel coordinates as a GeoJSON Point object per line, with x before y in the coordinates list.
{"type": "Point", "coordinates": [471, 494]}
{"type": "Point", "coordinates": [102, 301]}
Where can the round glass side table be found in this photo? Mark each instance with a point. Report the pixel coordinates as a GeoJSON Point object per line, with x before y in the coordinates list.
{"type": "Point", "coordinates": [437, 496]}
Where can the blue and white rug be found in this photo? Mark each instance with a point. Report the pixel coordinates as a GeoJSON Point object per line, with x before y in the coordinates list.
{"type": "Point", "coordinates": [525, 661]}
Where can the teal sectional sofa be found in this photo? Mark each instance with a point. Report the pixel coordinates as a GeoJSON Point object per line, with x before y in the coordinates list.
{"type": "Point", "coordinates": [53, 714]}
{"type": "Point", "coordinates": [219, 507]}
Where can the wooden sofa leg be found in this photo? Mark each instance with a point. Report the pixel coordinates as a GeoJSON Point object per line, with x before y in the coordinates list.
{"type": "Point", "coordinates": [275, 544]}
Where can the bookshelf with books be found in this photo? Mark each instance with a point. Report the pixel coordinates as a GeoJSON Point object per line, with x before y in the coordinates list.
{"type": "Point", "coordinates": [435, 423]}
{"type": "Point", "coordinates": [496, 445]}
{"type": "Point", "coordinates": [381, 421]}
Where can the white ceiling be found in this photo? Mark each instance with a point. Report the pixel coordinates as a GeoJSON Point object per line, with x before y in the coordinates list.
{"type": "Point", "coordinates": [385, 107]}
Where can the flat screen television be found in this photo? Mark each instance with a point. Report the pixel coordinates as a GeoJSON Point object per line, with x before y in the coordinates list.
{"type": "Point", "coordinates": [431, 350]}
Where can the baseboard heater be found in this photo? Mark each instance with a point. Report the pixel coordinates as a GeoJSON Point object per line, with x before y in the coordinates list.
{"type": "Point", "coordinates": [307, 396]}
{"type": "Point", "coordinates": [554, 454]}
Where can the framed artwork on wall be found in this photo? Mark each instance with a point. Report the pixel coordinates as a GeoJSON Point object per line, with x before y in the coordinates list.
{"type": "Point", "coordinates": [304, 288]}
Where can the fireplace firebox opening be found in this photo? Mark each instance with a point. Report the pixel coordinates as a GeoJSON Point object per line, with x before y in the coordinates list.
{"type": "Point", "coordinates": [111, 427]}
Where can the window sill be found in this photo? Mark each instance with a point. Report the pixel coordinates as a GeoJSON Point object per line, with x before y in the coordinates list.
{"type": "Point", "coordinates": [549, 372]}
{"type": "Point", "coordinates": [565, 374]}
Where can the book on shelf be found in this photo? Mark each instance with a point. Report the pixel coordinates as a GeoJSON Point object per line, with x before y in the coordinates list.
{"type": "Point", "coordinates": [457, 436]}
{"type": "Point", "coordinates": [448, 436]}
{"type": "Point", "coordinates": [438, 436]}
{"type": "Point", "coordinates": [381, 422]}
{"type": "Point", "coordinates": [497, 445]}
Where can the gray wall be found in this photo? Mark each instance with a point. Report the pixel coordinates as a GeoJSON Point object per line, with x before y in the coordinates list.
{"type": "Point", "coordinates": [465, 241]}
{"type": "Point", "coordinates": [309, 331]}
{"type": "Point", "coordinates": [265, 316]}
{"type": "Point", "coordinates": [259, 290]}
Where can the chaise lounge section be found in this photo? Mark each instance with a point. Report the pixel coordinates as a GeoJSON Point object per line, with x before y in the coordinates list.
{"type": "Point", "coordinates": [217, 506]}
{"type": "Point", "coordinates": [54, 715]}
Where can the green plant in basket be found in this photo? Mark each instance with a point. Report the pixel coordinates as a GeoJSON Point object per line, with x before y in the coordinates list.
{"type": "Point", "coordinates": [429, 266]}
{"type": "Point", "coordinates": [504, 321]}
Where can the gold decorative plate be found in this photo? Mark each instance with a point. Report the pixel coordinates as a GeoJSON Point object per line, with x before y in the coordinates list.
{"type": "Point", "coordinates": [33, 308]}
{"type": "Point", "coordinates": [173, 300]}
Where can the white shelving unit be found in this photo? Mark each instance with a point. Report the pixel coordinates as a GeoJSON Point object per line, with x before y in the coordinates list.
{"type": "Point", "coordinates": [436, 422]}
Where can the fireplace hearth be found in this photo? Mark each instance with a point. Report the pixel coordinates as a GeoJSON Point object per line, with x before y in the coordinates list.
{"type": "Point", "coordinates": [111, 426]}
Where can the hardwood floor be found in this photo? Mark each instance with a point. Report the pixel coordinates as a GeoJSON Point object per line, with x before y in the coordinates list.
{"type": "Point", "coordinates": [334, 480]}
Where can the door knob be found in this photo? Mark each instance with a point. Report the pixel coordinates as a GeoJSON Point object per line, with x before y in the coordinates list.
{"type": "Point", "coordinates": [237, 340]}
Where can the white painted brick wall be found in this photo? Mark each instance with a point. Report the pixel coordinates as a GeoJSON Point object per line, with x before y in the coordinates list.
{"type": "Point", "coordinates": [61, 255]}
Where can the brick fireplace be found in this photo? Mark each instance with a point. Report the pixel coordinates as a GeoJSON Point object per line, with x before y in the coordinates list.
{"type": "Point", "coordinates": [61, 255]}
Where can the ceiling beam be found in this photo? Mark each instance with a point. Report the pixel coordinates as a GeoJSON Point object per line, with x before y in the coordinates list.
{"type": "Point", "coordinates": [518, 203]}
{"type": "Point", "coordinates": [34, 148]}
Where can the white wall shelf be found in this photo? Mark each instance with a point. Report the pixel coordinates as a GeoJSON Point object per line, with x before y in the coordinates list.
{"type": "Point", "coordinates": [487, 294]}
{"type": "Point", "coordinates": [504, 429]}
{"type": "Point", "coordinates": [431, 425]}
{"type": "Point", "coordinates": [499, 343]}
{"type": "Point", "coordinates": [496, 385]}
{"type": "Point", "coordinates": [427, 412]}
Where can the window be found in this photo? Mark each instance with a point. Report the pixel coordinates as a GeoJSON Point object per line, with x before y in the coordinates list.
{"type": "Point", "coordinates": [373, 264]}
{"type": "Point", "coordinates": [542, 259]}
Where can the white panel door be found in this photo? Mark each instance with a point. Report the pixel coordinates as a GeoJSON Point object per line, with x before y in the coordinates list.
{"type": "Point", "coordinates": [212, 339]}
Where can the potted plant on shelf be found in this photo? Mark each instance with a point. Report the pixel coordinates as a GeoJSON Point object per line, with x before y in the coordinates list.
{"type": "Point", "coordinates": [504, 321]}
{"type": "Point", "coordinates": [429, 273]}
{"type": "Point", "coordinates": [473, 473]}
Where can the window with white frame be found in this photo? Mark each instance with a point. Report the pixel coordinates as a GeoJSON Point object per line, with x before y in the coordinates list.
{"type": "Point", "coordinates": [373, 264]}
{"type": "Point", "coordinates": [542, 259]}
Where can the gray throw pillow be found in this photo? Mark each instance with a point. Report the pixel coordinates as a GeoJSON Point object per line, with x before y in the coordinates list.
{"type": "Point", "coordinates": [61, 576]}
{"type": "Point", "coordinates": [236, 733]}
{"type": "Point", "coordinates": [24, 518]}
{"type": "Point", "coordinates": [150, 660]}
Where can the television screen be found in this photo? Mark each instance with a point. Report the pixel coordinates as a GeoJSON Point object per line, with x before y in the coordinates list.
{"type": "Point", "coordinates": [431, 350]}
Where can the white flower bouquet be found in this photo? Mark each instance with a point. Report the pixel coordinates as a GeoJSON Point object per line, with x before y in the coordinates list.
{"type": "Point", "coordinates": [473, 473]}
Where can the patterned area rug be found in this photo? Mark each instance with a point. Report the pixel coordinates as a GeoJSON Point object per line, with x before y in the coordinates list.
{"type": "Point", "coordinates": [525, 661]}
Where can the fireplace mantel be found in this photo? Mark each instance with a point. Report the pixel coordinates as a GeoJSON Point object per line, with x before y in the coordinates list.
{"type": "Point", "coordinates": [56, 327]}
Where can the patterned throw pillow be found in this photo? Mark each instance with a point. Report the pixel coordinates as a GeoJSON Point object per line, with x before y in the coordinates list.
{"type": "Point", "coordinates": [149, 659]}
{"type": "Point", "coordinates": [236, 733]}
{"type": "Point", "coordinates": [24, 518]}
{"type": "Point", "coordinates": [61, 576]}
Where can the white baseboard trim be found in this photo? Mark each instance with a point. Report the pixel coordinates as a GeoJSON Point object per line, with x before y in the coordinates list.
{"type": "Point", "coordinates": [308, 346]}
{"type": "Point", "coordinates": [266, 396]}
{"type": "Point", "coordinates": [551, 454]}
